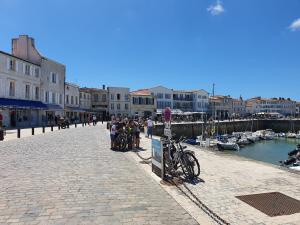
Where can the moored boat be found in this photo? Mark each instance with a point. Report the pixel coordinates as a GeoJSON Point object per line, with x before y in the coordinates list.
{"type": "Point", "coordinates": [228, 146]}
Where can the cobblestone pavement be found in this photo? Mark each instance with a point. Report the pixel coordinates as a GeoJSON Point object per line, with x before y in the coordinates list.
{"type": "Point", "coordinates": [71, 177]}
{"type": "Point", "coordinates": [226, 176]}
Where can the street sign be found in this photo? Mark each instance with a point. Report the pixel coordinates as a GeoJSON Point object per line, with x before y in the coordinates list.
{"type": "Point", "coordinates": [157, 158]}
{"type": "Point", "coordinates": [167, 132]}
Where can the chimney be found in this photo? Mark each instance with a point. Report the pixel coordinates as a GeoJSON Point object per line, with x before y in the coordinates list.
{"type": "Point", "coordinates": [24, 47]}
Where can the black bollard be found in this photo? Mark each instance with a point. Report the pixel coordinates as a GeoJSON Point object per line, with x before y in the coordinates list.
{"type": "Point", "coordinates": [51, 127]}
{"type": "Point", "coordinates": [58, 127]}
{"type": "Point", "coordinates": [32, 131]}
{"type": "Point", "coordinates": [43, 129]}
{"type": "Point", "coordinates": [83, 124]}
{"type": "Point", "coordinates": [19, 133]}
{"type": "Point", "coordinates": [75, 125]}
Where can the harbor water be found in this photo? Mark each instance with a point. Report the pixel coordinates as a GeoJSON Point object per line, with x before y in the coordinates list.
{"type": "Point", "coordinates": [271, 151]}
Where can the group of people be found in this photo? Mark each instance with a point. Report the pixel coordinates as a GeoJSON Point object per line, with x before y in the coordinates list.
{"type": "Point", "coordinates": [133, 128]}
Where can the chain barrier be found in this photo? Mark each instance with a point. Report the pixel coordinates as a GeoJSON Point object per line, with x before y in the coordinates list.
{"type": "Point", "coordinates": [201, 205]}
{"type": "Point", "coordinates": [142, 158]}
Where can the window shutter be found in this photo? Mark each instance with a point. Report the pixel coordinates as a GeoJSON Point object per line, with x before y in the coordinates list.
{"type": "Point", "coordinates": [17, 64]}
{"type": "Point", "coordinates": [8, 63]}
{"type": "Point", "coordinates": [24, 65]}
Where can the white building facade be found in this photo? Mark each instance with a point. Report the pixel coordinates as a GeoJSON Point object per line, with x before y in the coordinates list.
{"type": "Point", "coordinates": [72, 108]}
{"type": "Point", "coordinates": [20, 93]}
{"type": "Point", "coordinates": [32, 86]}
{"type": "Point", "coordinates": [271, 105]}
{"type": "Point", "coordinates": [164, 97]}
{"type": "Point", "coordinates": [119, 101]}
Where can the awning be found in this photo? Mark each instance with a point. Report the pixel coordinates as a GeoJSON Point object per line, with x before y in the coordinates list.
{"type": "Point", "coordinates": [21, 104]}
{"type": "Point", "coordinates": [53, 107]}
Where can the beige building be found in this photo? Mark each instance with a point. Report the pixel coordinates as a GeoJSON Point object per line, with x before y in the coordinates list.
{"type": "Point", "coordinates": [221, 107]}
{"type": "Point", "coordinates": [99, 102]}
{"type": "Point", "coordinates": [143, 104]}
{"type": "Point", "coordinates": [271, 105]}
{"type": "Point", "coordinates": [239, 107]}
{"type": "Point", "coordinates": [85, 103]}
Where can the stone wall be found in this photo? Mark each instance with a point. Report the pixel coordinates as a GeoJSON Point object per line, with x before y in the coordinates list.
{"type": "Point", "coordinates": [195, 129]}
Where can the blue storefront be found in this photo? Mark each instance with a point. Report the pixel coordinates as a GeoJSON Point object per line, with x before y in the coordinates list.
{"type": "Point", "coordinates": [27, 113]}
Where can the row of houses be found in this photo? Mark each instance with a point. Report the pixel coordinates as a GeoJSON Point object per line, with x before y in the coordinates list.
{"type": "Point", "coordinates": [34, 91]}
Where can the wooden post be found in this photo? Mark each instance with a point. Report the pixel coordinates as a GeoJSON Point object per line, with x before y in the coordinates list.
{"type": "Point", "coordinates": [32, 131]}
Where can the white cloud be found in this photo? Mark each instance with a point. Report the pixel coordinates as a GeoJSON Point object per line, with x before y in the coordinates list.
{"type": "Point", "coordinates": [295, 25]}
{"type": "Point", "coordinates": [216, 8]}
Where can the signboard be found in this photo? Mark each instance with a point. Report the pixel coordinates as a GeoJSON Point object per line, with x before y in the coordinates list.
{"type": "Point", "coordinates": [167, 132]}
{"type": "Point", "coordinates": [157, 158]}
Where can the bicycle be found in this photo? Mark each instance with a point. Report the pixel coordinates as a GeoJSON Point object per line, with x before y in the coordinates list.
{"type": "Point", "coordinates": [176, 156]}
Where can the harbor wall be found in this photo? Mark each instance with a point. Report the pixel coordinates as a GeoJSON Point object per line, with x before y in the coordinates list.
{"type": "Point", "coordinates": [223, 127]}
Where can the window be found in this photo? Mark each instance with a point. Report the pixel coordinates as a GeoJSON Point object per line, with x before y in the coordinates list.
{"type": "Point", "coordinates": [27, 69]}
{"type": "Point", "coordinates": [167, 96]}
{"type": "Point", "coordinates": [126, 106]}
{"type": "Point", "coordinates": [12, 64]}
{"type": "Point", "coordinates": [126, 97]}
{"type": "Point", "coordinates": [47, 96]}
{"type": "Point", "coordinates": [37, 93]}
{"type": "Point", "coordinates": [80, 95]}
{"type": "Point", "coordinates": [112, 106]}
{"type": "Point", "coordinates": [37, 72]}
{"type": "Point", "coordinates": [112, 97]}
{"type": "Point", "coordinates": [53, 98]}
{"type": "Point", "coordinates": [27, 91]}
{"type": "Point", "coordinates": [60, 98]}
{"type": "Point", "coordinates": [84, 96]}
{"type": "Point", "coordinates": [76, 100]}
{"type": "Point", "coordinates": [118, 106]}
{"type": "Point", "coordinates": [96, 98]}
{"type": "Point", "coordinates": [67, 99]}
{"type": "Point", "coordinates": [118, 96]}
{"type": "Point", "coordinates": [12, 88]}
{"type": "Point", "coordinates": [72, 100]}
{"type": "Point", "coordinates": [104, 98]}
{"type": "Point", "coordinates": [160, 95]}
{"type": "Point", "coordinates": [53, 78]}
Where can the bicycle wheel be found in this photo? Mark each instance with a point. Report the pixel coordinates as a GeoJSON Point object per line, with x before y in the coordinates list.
{"type": "Point", "coordinates": [194, 163]}
{"type": "Point", "coordinates": [122, 144]}
{"type": "Point", "coordinates": [186, 167]}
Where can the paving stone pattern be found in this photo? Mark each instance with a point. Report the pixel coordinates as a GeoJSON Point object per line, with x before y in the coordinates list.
{"type": "Point", "coordinates": [71, 177]}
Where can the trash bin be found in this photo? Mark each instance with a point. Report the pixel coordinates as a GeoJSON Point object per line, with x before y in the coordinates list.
{"type": "Point", "coordinates": [1, 134]}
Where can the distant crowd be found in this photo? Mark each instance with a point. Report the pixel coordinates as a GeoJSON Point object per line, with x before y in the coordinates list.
{"type": "Point", "coordinates": [132, 128]}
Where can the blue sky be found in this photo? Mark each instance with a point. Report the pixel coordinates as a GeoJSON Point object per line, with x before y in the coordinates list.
{"type": "Point", "coordinates": [246, 47]}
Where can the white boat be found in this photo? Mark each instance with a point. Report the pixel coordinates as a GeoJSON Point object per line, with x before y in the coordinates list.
{"type": "Point", "coordinates": [253, 138]}
{"type": "Point", "coordinates": [228, 146]}
{"type": "Point", "coordinates": [291, 135]}
{"type": "Point", "coordinates": [295, 167]}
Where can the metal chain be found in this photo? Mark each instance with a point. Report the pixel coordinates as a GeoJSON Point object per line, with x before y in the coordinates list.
{"type": "Point", "coordinates": [144, 159]}
{"type": "Point", "coordinates": [202, 206]}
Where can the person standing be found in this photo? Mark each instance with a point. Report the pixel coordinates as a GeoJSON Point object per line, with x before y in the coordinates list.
{"type": "Point", "coordinates": [94, 120]}
{"type": "Point", "coordinates": [149, 127]}
{"type": "Point", "coordinates": [113, 134]}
